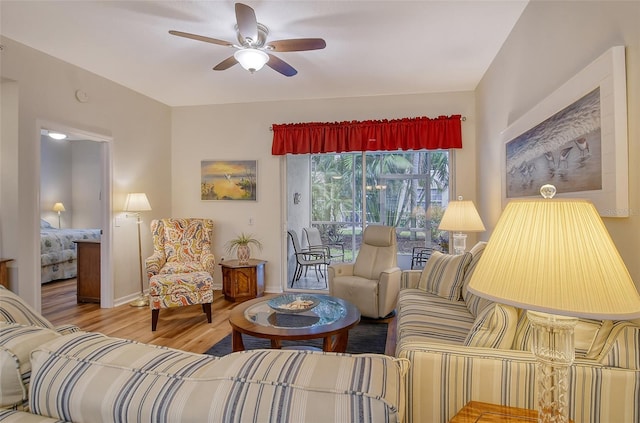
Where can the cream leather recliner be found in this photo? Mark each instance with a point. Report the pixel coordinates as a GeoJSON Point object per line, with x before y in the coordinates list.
{"type": "Point", "coordinates": [372, 282]}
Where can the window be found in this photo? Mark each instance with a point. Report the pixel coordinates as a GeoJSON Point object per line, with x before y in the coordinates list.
{"type": "Point", "coordinates": [345, 192]}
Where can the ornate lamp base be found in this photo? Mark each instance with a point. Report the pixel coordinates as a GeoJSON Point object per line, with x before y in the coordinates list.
{"type": "Point", "coordinates": [554, 350]}
{"type": "Point", "coordinates": [459, 243]}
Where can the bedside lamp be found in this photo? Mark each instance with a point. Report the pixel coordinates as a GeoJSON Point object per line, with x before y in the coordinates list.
{"type": "Point", "coordinates": [461, 216]}
{"type": "Point", "coordinates": [555, 259]}
{"type": "Point", "coordinates": [58, 207]}
{"type": "Point", "coordinates": [137, 202]}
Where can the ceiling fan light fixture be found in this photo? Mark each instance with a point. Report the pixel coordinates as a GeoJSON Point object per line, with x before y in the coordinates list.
{"type": "Point", "coordinates": [251, 59]}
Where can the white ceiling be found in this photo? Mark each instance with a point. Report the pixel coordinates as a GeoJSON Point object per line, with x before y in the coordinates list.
{"type": "Point", "coordinates": [373, 47]}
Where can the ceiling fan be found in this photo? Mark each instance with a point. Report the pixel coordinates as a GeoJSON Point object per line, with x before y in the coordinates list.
{"type": "Point", "coordinates": [253, 50]}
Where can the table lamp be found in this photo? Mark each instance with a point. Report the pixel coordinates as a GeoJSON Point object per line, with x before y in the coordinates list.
{"type": "Point", "coordinates": [137, 202]}
{"type": "Point", "coordinates": [555, 259]}
{"type": "Point", "coordinates": [459, 217]}
{"type": "Point", "coordinates": [58, 207]}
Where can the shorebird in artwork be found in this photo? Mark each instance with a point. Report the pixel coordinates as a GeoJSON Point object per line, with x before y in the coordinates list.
{"type": "Point", "coordinates": [551, 161]}
{"type": "Point", "coordinates": [524, 171]}
{"type": "Point", "coordinates": [583, 146]}
{"type": "Point", "coordinates": [564, 156]}
{"type": "Point", "coordinates": [531, 168]}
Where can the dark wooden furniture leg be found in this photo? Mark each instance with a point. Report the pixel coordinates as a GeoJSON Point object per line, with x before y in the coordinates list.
{"type": "Point", "coordinates": [236, 341]}
{"type": "Point", "coordinates": [276, 344]}
{"type": "Point", "coordinates": [154, 319]}
{"type": "Point", "coordinates": [207, 310]}
{"type": "Point", "coordinates": [336, 343]}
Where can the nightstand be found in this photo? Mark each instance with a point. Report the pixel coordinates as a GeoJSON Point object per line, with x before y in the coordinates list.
{"type": "Point", "coordinates": [241, 282]}
{"type": "Point", "coordinates": [4, 273]}
{"type": "Point", "coordinates": [88, 252]}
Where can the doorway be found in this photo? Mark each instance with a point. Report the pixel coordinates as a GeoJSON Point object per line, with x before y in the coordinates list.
{"type": "Point", "coordinates": [76, 172]}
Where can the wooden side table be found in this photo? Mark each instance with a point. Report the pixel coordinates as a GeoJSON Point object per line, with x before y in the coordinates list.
{"type": "Point", "coordinates": [88, 270]}
{"type": "Point", "coordinates": [242, 282]}
{"type": "Point", "coordinates": [482, 412]}
{"type": "Point", "coordinates": [4, 272]}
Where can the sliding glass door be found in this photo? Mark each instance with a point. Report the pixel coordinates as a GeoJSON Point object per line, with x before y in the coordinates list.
{"type": "Point", "coordinates": [346, 192]}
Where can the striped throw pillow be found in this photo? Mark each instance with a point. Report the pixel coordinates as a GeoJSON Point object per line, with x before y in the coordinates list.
{"type": "Point", "coordinates": [475, 304]}
{"type": "Point", "coordinates": [495, 327]}
{"type": "Point", "coordinates": [443, 274]}
{"type": "Point", "coordinates": [16, 343]}
{"type": "Point", "coordinates": [14, 309]}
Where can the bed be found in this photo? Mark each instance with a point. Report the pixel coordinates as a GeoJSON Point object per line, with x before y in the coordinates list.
{"type": "Point", "coordinates": [58, 251]}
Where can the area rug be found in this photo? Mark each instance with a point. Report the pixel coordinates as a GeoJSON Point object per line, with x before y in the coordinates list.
{"type": "Point", "coordinates": [368, 336]}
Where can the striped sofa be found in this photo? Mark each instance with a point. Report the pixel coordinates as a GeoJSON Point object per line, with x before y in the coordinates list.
{"type": "Point", "coordinates": [75, 376]}
{"type": "Point", "coordinates": [462, 348]}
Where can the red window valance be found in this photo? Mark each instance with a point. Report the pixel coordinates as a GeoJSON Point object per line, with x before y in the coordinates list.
{"type": "Point", "coordinates": [374, 135]}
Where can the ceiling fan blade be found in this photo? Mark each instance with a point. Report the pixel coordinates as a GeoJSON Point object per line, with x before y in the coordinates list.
{"type": "Point", "coordinates": [281, 66]}
{"type": "Point", "coordinates": [201, 38]}
{"type": "Point", "coordinates": [297, 44]}
{"type": "Point", "coordinates": [247, 23]}
{"type": "Point", "coordinates": [226, 63]}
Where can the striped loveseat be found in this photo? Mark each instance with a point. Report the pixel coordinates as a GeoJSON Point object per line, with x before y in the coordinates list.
{"type": "Point", "coordinates": [462, 348]}
{"type": "Point", "coordinates": [46, 376]}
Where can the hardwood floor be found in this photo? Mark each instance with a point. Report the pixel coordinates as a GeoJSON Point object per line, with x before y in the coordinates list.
{"type": "Point", "coordinates": [184, 328]}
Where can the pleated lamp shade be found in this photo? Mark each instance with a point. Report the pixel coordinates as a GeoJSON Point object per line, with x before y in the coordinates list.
{"type": "Point", "coordinates": [137, 202]}
{"type": "Point", "coordinates": [461, 216]}
{"type": "Point", "coordinates": [556, 256]}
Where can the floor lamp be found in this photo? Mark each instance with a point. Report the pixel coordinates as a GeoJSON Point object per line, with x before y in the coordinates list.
{"type": "Point", "coordinates": [58, 207]}
{"type": "Point", "coordinates": [459, 217]}
{"type": "Point", "coordinates": [135, 203]}
{"type": "Point", "coordinates": [555, 259]}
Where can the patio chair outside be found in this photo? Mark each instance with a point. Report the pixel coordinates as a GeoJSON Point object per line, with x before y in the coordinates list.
{"type": "Point", "coordinates": [307, 258]}
{"type": "Point", "coordinates": [314, 241]}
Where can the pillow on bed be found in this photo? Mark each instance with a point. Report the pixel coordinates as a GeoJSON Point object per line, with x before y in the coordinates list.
{"type": "Point", "coordinates": [45, 225]}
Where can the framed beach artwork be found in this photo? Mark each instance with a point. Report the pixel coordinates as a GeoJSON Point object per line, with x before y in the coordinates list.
{"type": "Point", "coordinates": [575, 139]}
{"type": "Point", "coordinates": [228, 180]}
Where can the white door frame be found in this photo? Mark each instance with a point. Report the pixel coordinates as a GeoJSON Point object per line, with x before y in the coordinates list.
{"type": "Point", "coordinates": [106, 173]}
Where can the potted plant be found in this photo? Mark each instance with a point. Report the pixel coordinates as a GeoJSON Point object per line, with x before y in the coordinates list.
{"type": "Point", "coordinates": [241, 244]}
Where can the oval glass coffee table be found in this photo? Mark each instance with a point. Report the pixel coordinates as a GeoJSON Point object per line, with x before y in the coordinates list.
{"type": "Point", "coordinates": [331, 320]}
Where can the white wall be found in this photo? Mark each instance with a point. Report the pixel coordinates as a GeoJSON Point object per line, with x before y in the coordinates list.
{"type": "Point", "coordinates": [141, 132]}
{"type": "Point", "coordinates": [241, 131]}
{"type": "Point", "coordinates": [552, 41]}
{"type": "Point", "coordinates": [8, 170]}
{"type": "Point", "coordinates": [86, 182]}
{"type": "Point", "coordinates": [298, 180]}
{"type": "Point", "coordinates": [55, 181]}
{"type": "Point", "coordinates": [70, 173]}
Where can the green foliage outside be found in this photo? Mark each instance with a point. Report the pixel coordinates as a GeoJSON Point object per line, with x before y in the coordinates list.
{"type": "Point", "coordinates": [399, 188]}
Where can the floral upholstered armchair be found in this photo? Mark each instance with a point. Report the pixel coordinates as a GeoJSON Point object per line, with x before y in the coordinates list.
{"type": "Point", "coordinates": [181, 246]}
{"type": "Point", "coordinates": [181, 267]}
